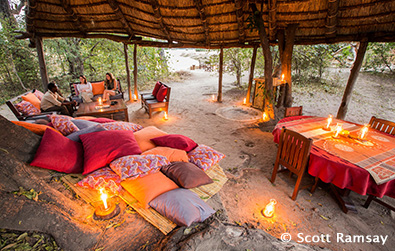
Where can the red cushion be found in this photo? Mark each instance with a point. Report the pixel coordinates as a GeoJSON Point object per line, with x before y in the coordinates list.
{"type": "Point", "coordinates": [59, 153]}
{"type": "Point", "coordinates": [175, 141]}
{"type": "Point", "coordinates": [100, 148]}
{"type": "Point", "coordinates": [102, 120]}
{"type": "Point", "coordinates": [156, 88]}
{"type": "Point", "coordinates": [160, 96]}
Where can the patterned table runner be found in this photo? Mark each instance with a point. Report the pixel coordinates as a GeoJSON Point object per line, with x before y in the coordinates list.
{"type": "Point", "coordinates": [376, 154]}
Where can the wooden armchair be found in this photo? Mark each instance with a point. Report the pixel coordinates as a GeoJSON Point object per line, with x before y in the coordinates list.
{"type": "Point", "coordinates": [382, 125]}
{"type": "Point", "coordinates": [293, 153]}
{"type": "Point", "coordinates": [293, 111]}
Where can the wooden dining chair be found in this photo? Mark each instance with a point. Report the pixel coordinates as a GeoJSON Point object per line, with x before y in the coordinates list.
{"type": "Point", "coordinates": [293, 111]}
{"type": "Point", "coordinates": [382, 125]}
{"type": "Point", "coordinates": [293, 153]}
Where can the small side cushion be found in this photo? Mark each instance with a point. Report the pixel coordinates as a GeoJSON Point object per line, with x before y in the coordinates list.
{"type": "Point", "coordinates": [144, 135]}
{"type": "Point", "coordinates": [59, 153]}
{"type": "Point", "coordinates": [102, 178]}
{"type": "Point", "coordinates": [30, 97]}
{"type": "Point", "coordinates": [63, 124]}
{"type": "Point", "coordinates": [186, 175]}
{"type": "Point", "coordinates": [97, 88]}
{"type": "Point", "coordinates": [170, 153]}
{"type": "Point", "coordinates": [81, 123]}
{"type": "Point", "coordinates": [100, 148]}
{"type": "Point", "coordinates": [182, 206]}
{"type": "Point", "coordinates": [205, 157]}
{"type": "Point", "coordinates": [177, 141]}
{"type": "Point", "coordinates": [160, 96]}
{"type": "Point", "coordinates": [146, 188]}
{"type": "Point", "coordinates": [38, 129]}
{"type": "Point", "coordinates": [133, 166]}
{"type": "Point", "coordinates": [27, 109]}
{"type": "Point", "coordinates": [156, 88]}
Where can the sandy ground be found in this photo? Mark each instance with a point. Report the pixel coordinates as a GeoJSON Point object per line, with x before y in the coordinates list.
{"type": "Point", "coordinates": [250, 155]}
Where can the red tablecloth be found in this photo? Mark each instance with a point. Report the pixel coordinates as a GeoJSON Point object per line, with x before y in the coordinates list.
{"type": "Point", "coordinates": [341, 173]}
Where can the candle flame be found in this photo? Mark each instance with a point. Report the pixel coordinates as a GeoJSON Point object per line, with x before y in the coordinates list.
{"type": "Point", "coordinates": [103, 197]}
{"type": "Point", "coordinates": [329, 121]}
{"type": "Point", "coordinates": [282, 77]}
{"type": "Point", "coordinates": [99, 101]}
{"type": "Point", "coordinates": [269, 209]}
{"type": "Point", "coordinates": [245, 101]}
{"type": "Point", "coordinates": [134, 97]}
{"type": "Point", "coordinates": [265, 117]}
{"type": "Point", "coordinates": [165, 116]}
{"type": "Point", "coordinates": [364, 131]}
{"type": "Point", "coordinates": [338, 129]}
{"type": "Point", "coordinates": [213, 97]}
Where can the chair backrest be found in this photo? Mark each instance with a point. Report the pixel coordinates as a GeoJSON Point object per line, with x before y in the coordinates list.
{"type": "Point", "coordinates": [293, 151]}
{"type": "Point", "coordinates": [293, 111]}
{"type": "Point", "coordinates": [73, 92]}
{"type": "Point", "coordinates": [382, 125]}
{"type": "Point", "coordinates": [10, 104]}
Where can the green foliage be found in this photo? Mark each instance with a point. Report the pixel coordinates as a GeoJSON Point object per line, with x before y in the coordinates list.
{"type": "Point", "coordinates": [17, 240]}
{"type": "Point", "coordinates": [380, 57]}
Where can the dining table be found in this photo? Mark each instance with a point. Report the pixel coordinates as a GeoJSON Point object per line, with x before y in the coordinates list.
{"type": "Point", "coordinates": [346, 161]}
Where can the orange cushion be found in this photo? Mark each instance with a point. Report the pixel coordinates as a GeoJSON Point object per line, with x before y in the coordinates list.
{"type": "Point", "coordinates": [148, 187]}
{"type": "Point", "coordinates": [36, 128]}
{"type": "Point", "coordinates": [30, 97]}
{"type": "Point", "coordinates": [97, 88]}
{"type": "Point", "coordinates": [171, 154]}
{"type": "Point", "coordinates": [144, 136]}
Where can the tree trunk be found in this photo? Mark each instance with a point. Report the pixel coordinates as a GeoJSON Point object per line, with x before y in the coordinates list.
{"type": "Point", "coordinates": [221, 66]}
{"type": "Point", "coordinates": [251, 76]}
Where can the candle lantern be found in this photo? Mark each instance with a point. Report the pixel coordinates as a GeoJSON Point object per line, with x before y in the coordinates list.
{"type": "Point", "coordinates": [99, 101]}
{"type": "Point", "coordinates": [165, 116]}
{"type": "Point", "coordinates": [107, 209]}
{"type": "Point", "coordinates": [338, 130]}
{"type": "Point", "coordinates": [245, 101]}
{"type": "Point", "coordinates": [269, 209]}
{"type": "Point", "coordinates": [213, 97]}
{"type": "Point", "coordinates": [134, 97]}
{"type": "Point", "coordinates": [364, 132]}
{"type": "Point", "coordinates": [328, 124]}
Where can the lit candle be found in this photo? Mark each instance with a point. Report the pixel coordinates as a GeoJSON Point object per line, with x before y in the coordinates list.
{"type": "Point", "coordinates": [99, 101]}
{"type": "Point", "coordinates": [245, 101]}
{"type": "Point", "coordinates": [103, 197]}
{"type": "Point", "coordinates": [364, 131]}
{"type": "Point", "coordinates": [213, 97]}
{"type": "Point", "coordinates": [268, 211]}
{"type": "Point", "coordinates": [282, 78]}
{"type": "Point", "coordinates": [134, 97]}
{"type": "Point", "coordinates": [264, 116]}
{"type": "Point", "coordinates": [165, 116]}
{"type": "Point", "coordinates": [329, 121]}
{"type": "Point", "coordinates": [338, 130]}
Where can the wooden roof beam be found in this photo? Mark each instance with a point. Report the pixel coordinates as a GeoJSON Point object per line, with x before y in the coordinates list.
{"type": "Point", "coordinates": [114, 5]}
{"type": "Point", "coordinates": [66, 6]}
{"type": "Point", "coordinates": [272, 19]}
{"type": "Point", "coordinates": [240, 20]}
{"type": "Point", "coordinates": [331, 18]}
{"type": "Point", "coordinates": [159, 19]}
{"type": "Point", "coordinates": [200, 9]}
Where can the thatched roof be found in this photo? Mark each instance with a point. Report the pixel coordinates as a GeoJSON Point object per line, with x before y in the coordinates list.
{"type": "Point", "coordinates": [211, 23]}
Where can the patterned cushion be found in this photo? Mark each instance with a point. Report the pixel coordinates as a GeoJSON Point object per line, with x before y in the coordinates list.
{"type": "Point", "coordinates": [27, 109]}
{"type": "Point", "coordinates": [63, 124]}
{"type": "Point", "coordinates": [135, 166]}
{"type": "Point", "coordinates": [119, 125]}
{"type": "Point", "coordinates": [205, 157]}
{"type": "Point", "coordinates": [38, 94]}
{"type": "Point", "coordinates": [102, 178]}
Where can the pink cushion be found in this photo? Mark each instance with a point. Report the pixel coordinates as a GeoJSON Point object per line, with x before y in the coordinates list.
{"type": "Point", "coordinates": [102, 178]}
{"type": "Point", "coordinates": [177, 141]}
{"type": "Point", "coordinates": [134, 166]}
{"type": "Point", "coordinates": [38, 94]}
{"type": "Point", "coordinates": [100, 148]}
{"type": "Point", "coordinates": [102, 120]}
{"type": "Point", "coordinates": [26, 108]}
{"type": "Point", "coordinates": [63, 124]}
{"type": "Point", "coordinates": [205, 157]}
{"type": "Point", "coordinates": [59, 153]}
{"type": "Point", "coordinates": [120, 125]}
{"type": "Point", "coordinates": [156, 88]}
{"type": "Point", "coordinates": [160, 96]}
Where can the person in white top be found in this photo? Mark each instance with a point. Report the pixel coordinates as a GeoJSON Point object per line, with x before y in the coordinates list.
{"type": "Point", "coordinates": [85, 90]}
{"type": "Point", "coordinates": [52, 101]}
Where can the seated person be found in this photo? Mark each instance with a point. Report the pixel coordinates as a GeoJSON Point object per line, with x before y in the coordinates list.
{"type": "Point", "coordinates": [85, 89]}
{"type": "Point", "coordinates": [110, 86]}
{"type": "Point", "coordinates": [52, 101]}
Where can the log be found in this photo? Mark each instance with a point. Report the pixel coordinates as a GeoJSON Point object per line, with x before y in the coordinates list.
{"type": "Point", "coordinates": [342, 112]}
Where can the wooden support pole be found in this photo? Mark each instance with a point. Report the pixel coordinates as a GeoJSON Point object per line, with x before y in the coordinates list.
{"type": "Point", "coordinates": [251, 77]}
{"type": "Point", "coordinates": [286, 64]}
{"type": "Point", "coordinates": [125, 51]}
{"type": "Point", "coordinates": [221, 61]}
{"type": "Point", "coordinates": [41, 62]}
{"type": "Point", "coordinates": [341, 113]}
{"type": "Point", "coordinates": [135, 70]}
